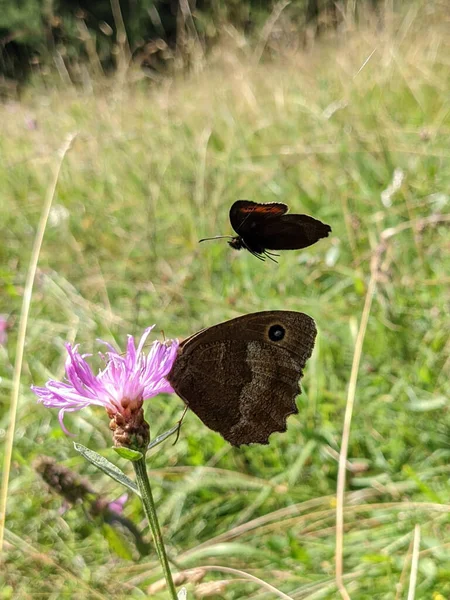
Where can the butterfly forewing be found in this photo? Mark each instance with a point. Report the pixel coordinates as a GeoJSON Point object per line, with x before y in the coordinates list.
{"type": "Point", "coordinates": [241, 377]}
{"type": "Point", "coordinates": [246, 216]}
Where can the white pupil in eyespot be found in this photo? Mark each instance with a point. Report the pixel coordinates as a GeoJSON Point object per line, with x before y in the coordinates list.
{"type": "Point", "coordinates": [276, 333]}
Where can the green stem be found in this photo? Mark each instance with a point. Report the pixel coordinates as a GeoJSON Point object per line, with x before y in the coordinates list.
{"type": "Point", "coordinates": [143, 484]}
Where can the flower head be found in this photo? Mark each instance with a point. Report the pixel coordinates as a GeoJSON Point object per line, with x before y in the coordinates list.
{"type": "Point", "coordinates": [74, 489]}
{"type": "Point", "coordinates": [116, 506]}
{"type": "Point", "coordinates": [121, 387]}
{"type": "Point", "coordinates": [3, 329]}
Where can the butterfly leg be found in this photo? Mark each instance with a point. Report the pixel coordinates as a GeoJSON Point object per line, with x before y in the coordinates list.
{"type": "Point", "coordinates": [269, 256]}
{"type": "Point", "coordinates": [257, 254]}
{"type": "Point", "coordinates": [179, 424]}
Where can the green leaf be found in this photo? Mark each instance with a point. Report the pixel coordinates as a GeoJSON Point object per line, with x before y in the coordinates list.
{"type": "Point", "coordinates": [376, 558]}
{"type": "Point", "coordinates": [426, 404]}
{"type": "Point", "coordinates": [116, 543]}
{"type": "Point", "coordinates": [360, 286]}
{"type": "Point", "coordinates": [163, 436]}
{"type": "Point", "coordinates": [305, 454]}
{"type": "Point", "coordinates": [427, 490]}
{"type": "Point", "coordinates": [129, 454]}
{"type": "Point", "coordinates": [107, 467]}
{"type": "Point", "coordinates": [225, 550]}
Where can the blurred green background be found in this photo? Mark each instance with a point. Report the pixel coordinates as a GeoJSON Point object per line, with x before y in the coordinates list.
{"type": "Point", "coordinates": [347, 120]}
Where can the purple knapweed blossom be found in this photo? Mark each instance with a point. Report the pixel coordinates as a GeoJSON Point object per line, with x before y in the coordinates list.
{"type": "Point", "coordinates": [126, 381]}
{"type": "Point", "coordinates": [3, 329]}
{"type": "Point", "coordinates": [116, 506]}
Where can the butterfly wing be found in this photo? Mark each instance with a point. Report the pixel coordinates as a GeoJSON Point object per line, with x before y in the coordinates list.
{"type": "Point", "coordinates": [246, 216]}
{"type": "Point", "coordinates": [267, 226]}
{"type": "Point", "coordinates": [241, 382]}
{"type": "Point", "coordinates": [291, 232]}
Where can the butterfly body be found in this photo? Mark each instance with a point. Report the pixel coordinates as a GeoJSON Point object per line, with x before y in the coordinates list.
{"type": "Point", "coordinates": [263, 227]}
{"type": "Point", "coordinates": [241, 377]}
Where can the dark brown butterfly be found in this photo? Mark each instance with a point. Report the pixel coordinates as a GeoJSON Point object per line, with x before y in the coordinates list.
{"type": "Point", "coordinates": [241, 377]}
{"type": "Point", "coordinates": [263, 227]}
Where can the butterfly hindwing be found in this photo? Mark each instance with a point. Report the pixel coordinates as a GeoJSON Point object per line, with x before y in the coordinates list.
{"type": "Point", "coordinates": [291, 232]}
{"type": "Point", "coordinates": [238, 380]}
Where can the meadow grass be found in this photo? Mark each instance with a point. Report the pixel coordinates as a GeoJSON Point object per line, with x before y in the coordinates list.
{"type": "Point", "coordinates": [153, 169]}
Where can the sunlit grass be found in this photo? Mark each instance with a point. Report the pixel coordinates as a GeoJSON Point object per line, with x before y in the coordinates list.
{"type": "Point", "coordinates": [152, 171]}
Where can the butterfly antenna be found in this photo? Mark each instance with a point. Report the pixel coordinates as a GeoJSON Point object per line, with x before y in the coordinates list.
{"type": "Point", "coordinates": [179, 425]}
{"type": "Point", "coordinates": [247, 216]}
{"type": "Point", "coordinates": [216, 237]}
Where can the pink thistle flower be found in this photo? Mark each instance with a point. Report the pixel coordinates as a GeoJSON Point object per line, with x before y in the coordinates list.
{"type": "Point", "coordinates": [116, 506]}
{"type": "Point", "coordinates": [121, 387]}
{"type": "Point", "coordinates": [3, 329]}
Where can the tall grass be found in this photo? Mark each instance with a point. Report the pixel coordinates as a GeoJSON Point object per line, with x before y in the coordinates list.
{"type": "Point", "coordinates": [155, 168]}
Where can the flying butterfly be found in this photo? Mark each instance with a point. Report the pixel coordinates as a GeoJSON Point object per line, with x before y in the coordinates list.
{"type": "Point", "coordinates": [241, 377]}
{"type": "Point", "coordinates": [264, 227]}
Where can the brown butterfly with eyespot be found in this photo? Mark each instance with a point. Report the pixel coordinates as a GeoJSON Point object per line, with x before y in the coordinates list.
{"type": "Point", "coordinates": [263, 227]}
{"type": "Point", "coordinates": [241, 377]}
